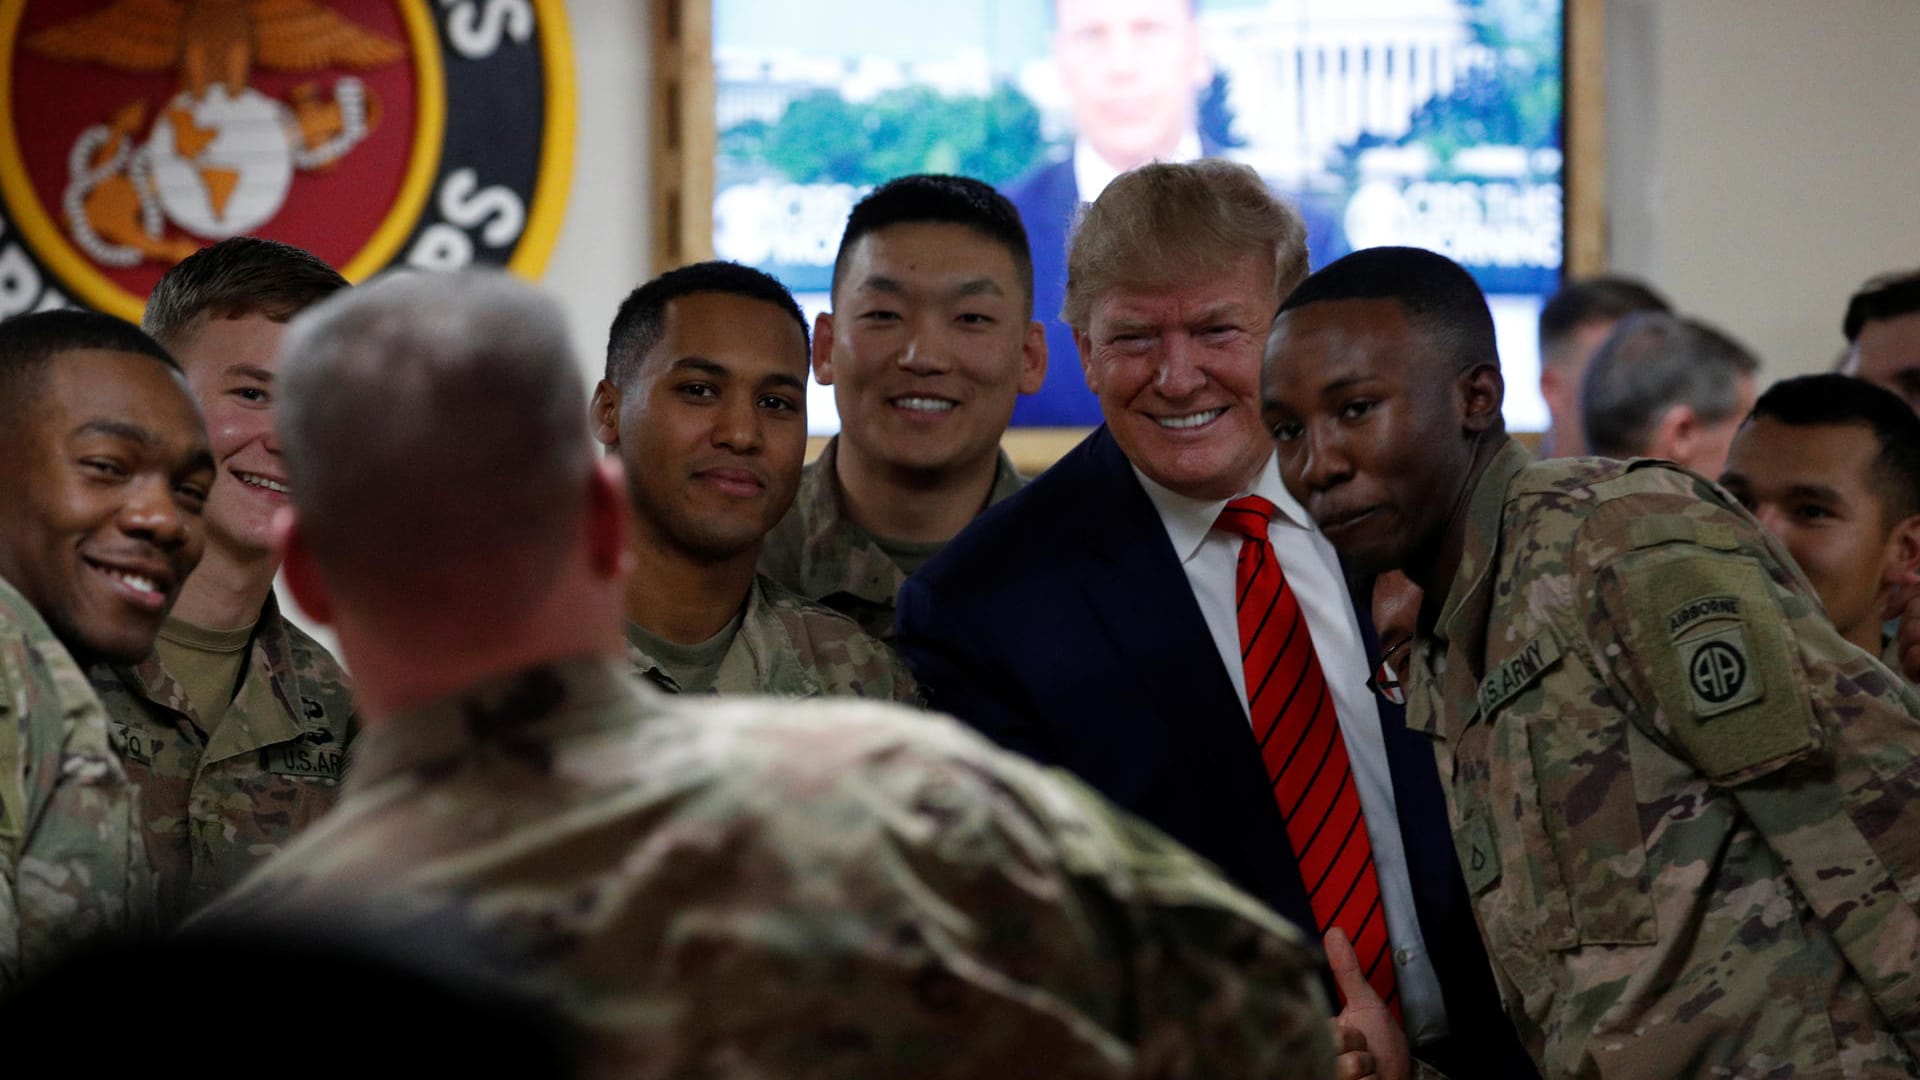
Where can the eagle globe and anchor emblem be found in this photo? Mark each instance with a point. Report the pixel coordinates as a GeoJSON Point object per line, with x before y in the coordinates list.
{"type": "Point", "coordinates": [218, 158]}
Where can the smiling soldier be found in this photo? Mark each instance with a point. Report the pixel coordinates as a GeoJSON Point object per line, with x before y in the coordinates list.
{"type": "Point", "coordinates": [930, 342]}
{"type": "Point", "coordinates": [236, 724]}
{"type": "Point", "coordinates": [106, 475]}
{"type": "Point", "coordinates": [705, 402]}
{"type": "Point", "coordinates": [1687, 809]}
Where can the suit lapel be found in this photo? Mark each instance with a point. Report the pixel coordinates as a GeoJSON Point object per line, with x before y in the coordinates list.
{"type": "Point", "coordinates": [1138, 592]}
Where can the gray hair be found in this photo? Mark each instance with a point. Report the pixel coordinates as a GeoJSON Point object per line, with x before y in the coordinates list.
{"type": "Point", "coordinates": [433, 423]}
{"type": "Point", "coordinates": [1650, 363]}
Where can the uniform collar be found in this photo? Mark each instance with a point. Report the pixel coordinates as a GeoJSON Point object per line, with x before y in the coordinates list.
{"type": "Point", "coordinates": [761, 660]}
{"type": "Point", "coordinates": [510, 716]}
{"type": "Point", "coordinates": [270, 691]}
{"type": "Point", "coordinates": [831, 535]}
{"type": "Point", "coordinates": [1463, 617]}
{"type": "Point", "coordinates": [1189, 520]}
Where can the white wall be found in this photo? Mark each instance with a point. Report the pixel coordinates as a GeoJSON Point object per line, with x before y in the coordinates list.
{"type": "Point", "coordinates": [605, 240]}
{"type": "Point", "coordinates": [1762, 159]}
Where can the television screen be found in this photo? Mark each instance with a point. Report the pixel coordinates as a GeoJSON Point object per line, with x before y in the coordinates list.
{"type": "Point", "coordinates": [1435, 123]}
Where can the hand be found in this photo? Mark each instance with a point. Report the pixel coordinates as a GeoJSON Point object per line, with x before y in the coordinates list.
{"type": "Point", "coordinates": [1366, 1037]}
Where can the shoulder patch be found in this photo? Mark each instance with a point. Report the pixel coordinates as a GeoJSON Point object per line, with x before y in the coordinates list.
{"type": "Point", "coordinates": [1721, 663]}
{"type": "Point", "coordinates": [1673, 528]}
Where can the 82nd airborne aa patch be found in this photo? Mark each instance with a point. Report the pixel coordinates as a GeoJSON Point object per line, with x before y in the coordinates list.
{"type": "Point", "coordinates": [432, 134]}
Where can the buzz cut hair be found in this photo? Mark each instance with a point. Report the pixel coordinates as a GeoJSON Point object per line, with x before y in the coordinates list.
{"type": "Point", "coordinates": [939, 199]}
{"type": "Point", "coordinates": [1437, 295]}
{"type": "Point", "coordinates": [235, 278]}
{"type": "Point", "coordinates": [1607, 298]}
{"type": "Point", "coordinates": [1829, 400]}
{"type": "Point", "coordinates": [31, 343]}
{"type": "Point", "coordinates": [1888, 296]}
{"type": "Point", "coordinates": [642, 319]}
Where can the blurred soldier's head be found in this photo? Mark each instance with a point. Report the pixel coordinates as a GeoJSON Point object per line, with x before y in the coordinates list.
{"type": "Point", "coordinates": [1831, 465]}
{"type": "Point", "coordinates": [932, 335]}
{"type": "Point", "coordinates": [221, 312]}
{"type": "Point", "coordinates": [705, 401]}
{"type": "Point", "coordinates": [1381, 389]}
{"type": "Point", "coordinates": [1135, 70]}
{"type": "Point", "coordinates": [1572, 325]}
{"type": "Point", "coordinates": [1172, 281]}
{"type": "Point", "coordinates": [1883, 334]}
{"type": "Point", "coordinates": [105, 477]}
{"type": "Point", "coordinates": [1667, 387]}
{"type": "Point", "coordinates": [450, 517]}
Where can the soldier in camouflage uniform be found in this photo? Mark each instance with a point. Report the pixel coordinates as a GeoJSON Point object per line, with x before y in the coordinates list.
{"type": "Point", "coordinates": [716, 886]}
{"type": "Point", "coordinates": [931, 339]}
{"type": "Point", "coordinates": [236, 726]}
{"type": "Point", "coordinates": [106, 472]}
{"type": "Point", "coordinates": [704, 401]}
{"type": "Point", "coordinates": [1685, 806]}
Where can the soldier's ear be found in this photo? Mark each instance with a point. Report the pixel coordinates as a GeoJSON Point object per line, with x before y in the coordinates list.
{"type": "Point", "coordinates": [1900, 562]}
{"type": "Point", "coordinates": [1033, 358]}
{"type": "Point", "coordinates": [304, 583]}
{"type": "Point", "coordinates": [605, 413]}
{"type": "Point", "coordinates": [823, 348]}
{"type": "Point", "coordinates": [609, 520]}
{"type": "Point", "coordinates": [1482, 392]}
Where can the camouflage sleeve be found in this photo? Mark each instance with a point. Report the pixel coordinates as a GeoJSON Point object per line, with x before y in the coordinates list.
{"type": "Point", "coordinates": [1737, 670]}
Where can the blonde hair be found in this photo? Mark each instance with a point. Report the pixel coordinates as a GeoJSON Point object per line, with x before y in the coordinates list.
{"type": "Point", "coordinates": [1164, 223]}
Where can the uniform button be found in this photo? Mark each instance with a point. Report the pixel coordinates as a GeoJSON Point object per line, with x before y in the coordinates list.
{"type": "Point", "coordinates": [1402, 957]}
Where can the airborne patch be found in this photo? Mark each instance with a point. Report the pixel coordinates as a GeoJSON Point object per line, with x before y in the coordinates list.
{"type": "Point", "coordinates": [1719, 672]}
{"type": "Point", "coordinates": [1694, 612]}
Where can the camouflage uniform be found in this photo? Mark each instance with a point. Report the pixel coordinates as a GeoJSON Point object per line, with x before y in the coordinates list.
{"type": "Point", "coordinates": [71, 862]}
{"type": "Point", "coordinates": [220, 796]}
{"type": "Point", "coordinates": [1687, 809]}
{"type": "Point", "coordinates": [789, 646]}
{"type": "Point", "coordinates": [808, 890]}
{"type": "Point", "coordinates": [822, 554]}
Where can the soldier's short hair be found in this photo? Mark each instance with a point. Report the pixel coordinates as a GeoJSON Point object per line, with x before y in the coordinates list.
{"type": "Point", "coordinates": [1437, 295]}
{"type": "Point", "coordinates": [1650, 363]}
{"type": "Point", "coordinates": [237, 277]}
{"type": "Point", "coordinates": [433, 423]}
{"type": "Point", "coordinates": [1888, 296]}
{"type": "Point", "coordinates": [30, 343]}
{"type": "Point", "coordinates": [936, 199]}
{"type": "Point", "coordinates": [1829, 400]}
{"type": "Point", "coordinates": [1166, 224]}
{"type": "Point", "coordinates": [1607, 298]}
{"type": "Point", "coordinates": [642, 318]}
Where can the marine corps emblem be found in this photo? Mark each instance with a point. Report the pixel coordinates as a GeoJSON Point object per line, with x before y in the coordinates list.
{"type": "Point", "coordinates": [371, 132]}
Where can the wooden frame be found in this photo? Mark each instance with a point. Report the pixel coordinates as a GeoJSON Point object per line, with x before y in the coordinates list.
{"type": "Point", "coordinates": [685, 144]}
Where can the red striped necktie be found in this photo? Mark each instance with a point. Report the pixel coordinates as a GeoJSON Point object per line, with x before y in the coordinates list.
{"type": "Point", "coordinates": [1306, 759]}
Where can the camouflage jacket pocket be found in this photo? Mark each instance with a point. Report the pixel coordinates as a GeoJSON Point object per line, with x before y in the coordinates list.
{"type": "Point", "coordinates": [1593, 872]}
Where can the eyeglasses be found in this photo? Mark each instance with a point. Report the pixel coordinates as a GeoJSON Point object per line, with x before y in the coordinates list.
{"type": "Point", "coordinates": [1385, 680]}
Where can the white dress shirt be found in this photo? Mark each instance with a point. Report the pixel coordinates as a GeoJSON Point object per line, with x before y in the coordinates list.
{"type": "Point", "coordinates": [1092, 173]}
{"type": "Point", "coordinates": [1210, 558]}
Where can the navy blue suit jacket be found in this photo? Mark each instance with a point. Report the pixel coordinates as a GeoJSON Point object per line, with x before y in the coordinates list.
{"type": "Point", "coordinates": [1047, 199]}
{"type": "Point", "coordinates": [1061, 624]}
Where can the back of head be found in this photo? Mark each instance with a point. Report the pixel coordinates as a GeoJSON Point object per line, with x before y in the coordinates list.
{"type": "Point", "coordinates": [1605, 299]}
{"type": "Point", "coordinates": [937, 199]}
{"type": "Point", "coordinates": [435, 428]}
{"type": "Point", "coordinates": [642, 319]}
{"type": "Point", "coordinates": [1437, 294]}
{"type": "Point", "coordinates": [28, 343]}
{"type": "Point", "coordinates": [1165, 224]}
{"type": "Point", "coordinates": [1829, 400]}
{"type": "Point", "coordinates": [1651, 363]}
{"type": "Point", "coordinates": [1888, 296]}
{"type": "Point", "coordinates": [239, 276]}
